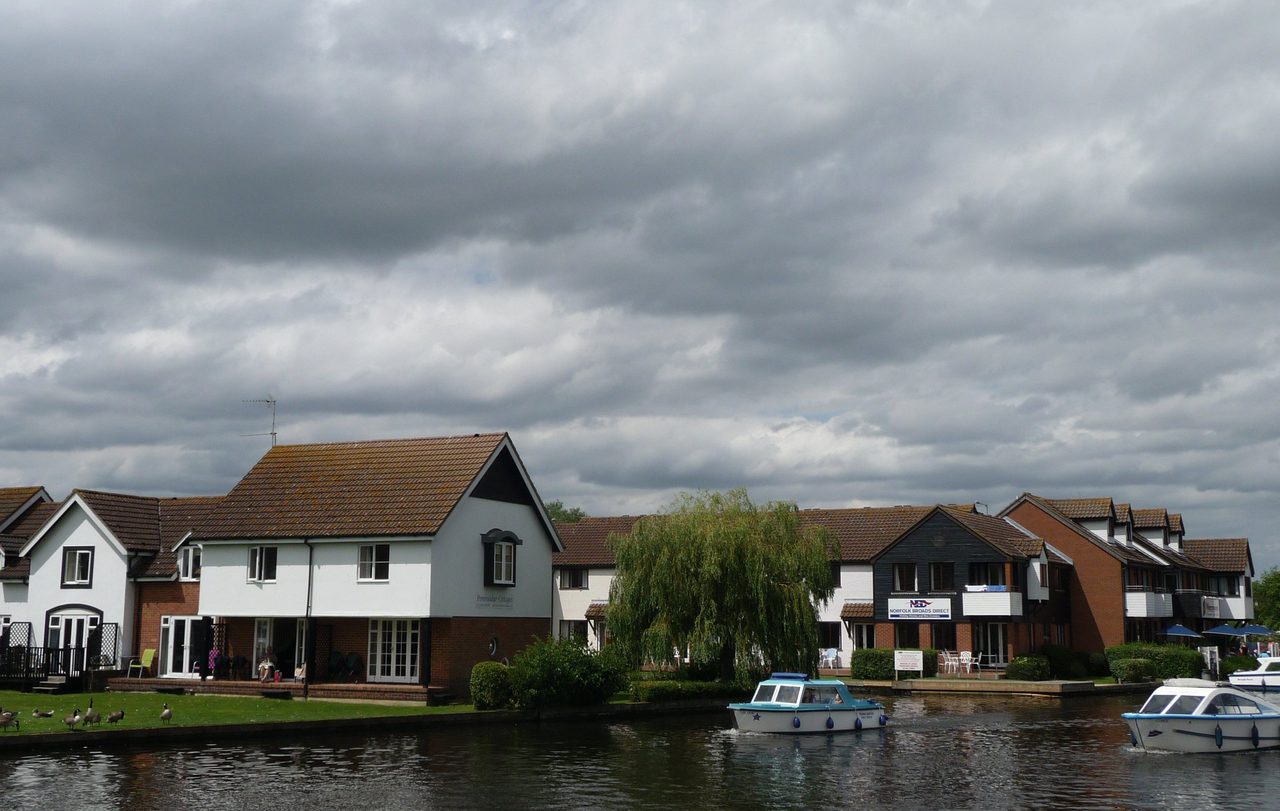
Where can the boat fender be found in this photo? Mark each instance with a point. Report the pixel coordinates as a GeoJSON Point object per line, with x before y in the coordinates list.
{"type": "Point", "coordinates": [831, 724]}
{"type": "Point", "coordinates": [884, 719]}
{"type": "Point", "coordinates": [1253, 736]}
{"type": "Point", "coordinates": [1133, 739]}
{"type": "Point", "coordinates": [795, 722]}
{"type": "Point", "coordinates": [857, 723]}
{"type": "Point", "coordinates": [1217, 735]}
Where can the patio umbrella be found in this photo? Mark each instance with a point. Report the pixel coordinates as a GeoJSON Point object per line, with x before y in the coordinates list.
{"type": "Point", "coordinates": [1226, 630]}
{"type": "Point", "coordinates": [1181, 630]}
{"type": "Point", "coordinates": [1256, 630]}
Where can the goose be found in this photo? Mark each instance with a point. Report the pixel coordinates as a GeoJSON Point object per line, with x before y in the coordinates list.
{"type": "Point", "coordinates": [92, 716]}
{"type": "Point", "coordinates": [38, 713]}
{"type": "Point", "coordinates": [113, 717]}
{"type": "Point", "coordinates": [166, 714]}
{"type": "Point", "coordinates": [10, 720]}
{"type": "Point", "coordinates": [72, 720]}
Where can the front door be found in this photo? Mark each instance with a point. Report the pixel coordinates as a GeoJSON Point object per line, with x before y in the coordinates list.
{"type": "Point", "coordinates": [180, 646]}
{"type": "Point", "coordinates": [69, 635]}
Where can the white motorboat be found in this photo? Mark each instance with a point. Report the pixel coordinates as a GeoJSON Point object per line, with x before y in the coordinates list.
{"type": "Point", "coordinates": [793, 703]}
{"type": "Point", "coordinates": [1194, 715]}
{"type": "Point", "coordinates": [1266, 677]}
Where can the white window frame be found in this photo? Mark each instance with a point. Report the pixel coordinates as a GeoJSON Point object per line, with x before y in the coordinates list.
{"type": "Point", "coordinates": [77, 567]}
{"type": "Point", "coordinates": [189, 564]}
{"type": "Point", "coordinates": [257, 564]}
{"type": "Point", "coordinates": [504, 563]}
{"type": "Point", "coordinates": [863, 635]}
{"type": "Point", "coordinates": [368, 563]}
{"type": "Point", "coordinates": [568, 578]}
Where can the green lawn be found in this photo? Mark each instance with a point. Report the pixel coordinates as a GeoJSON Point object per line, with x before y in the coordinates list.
{"type": "Point", "coordinates": [142, 710]}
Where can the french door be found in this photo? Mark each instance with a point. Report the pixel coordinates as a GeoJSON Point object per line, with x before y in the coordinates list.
{"type": "Point", "coordinates": [180, 639]}
{"type": "Point", "coordinates": [74, 631]}
{"type": "Point", "coordinates": [993, 641]}
{"type": "Point", "coordinates": [393, 650]}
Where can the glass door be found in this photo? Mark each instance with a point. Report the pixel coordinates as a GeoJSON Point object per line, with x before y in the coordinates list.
{"type": "Point", "coordinates": [393, 650]}
{"type": "Point", "coordinates": [67, 638]}
{"type": "Point", "coordinates": [179, 647]}
{"type": "Point", "coordinates": [993, 640]}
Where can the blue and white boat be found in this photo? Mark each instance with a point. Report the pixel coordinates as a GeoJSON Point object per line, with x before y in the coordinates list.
{"type": "Point", "coordinates": [1194, 715]}
{"type": "Point", "coordinates": [1265, 677]}
{"type": "Point", "coordinates": [793, 703]}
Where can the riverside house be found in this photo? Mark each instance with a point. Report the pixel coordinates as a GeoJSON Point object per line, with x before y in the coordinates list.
{"type": "Point", "coordinates": [399, 561]}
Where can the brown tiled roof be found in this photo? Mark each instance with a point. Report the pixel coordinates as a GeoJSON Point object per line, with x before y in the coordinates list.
{"type": "Point", "coordinates": [857, 610]}
{"type": "Point", "coordinates": [178, 516]}
{"type": "Point", "coordinates": [1082, 508]}
{"type": "Point", "coordinates": [11, 498]}
{"type": "Point", "coordinates": [585, 541]}
{"type": "Point", "coordinates": [351, 489]}
{"type": "Point", "coordinates": [1156, 518]}
{"type": "Point", "coordinates": [134, 520]}
{"type": "Point", "coordinates": [1122, 513]}
{"type": "Point", "coordinates": [1220, 554]}
{"type": "Point", "coordinates": [999, 533]}
{"type": "Point", "coordinates": [596, 611]}
{"type": "Point", "coordinates": [864, 532]}
{"type": "Point", "coordinates": [1175, 523]}
{"type": "Point", "coordinates": [15, 567]}
{"type": "Point", "coordinates": [1046, 505]}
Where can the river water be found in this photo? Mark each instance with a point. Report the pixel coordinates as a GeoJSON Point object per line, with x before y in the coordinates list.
{"type": "Point", "coordinates": [939, 752]}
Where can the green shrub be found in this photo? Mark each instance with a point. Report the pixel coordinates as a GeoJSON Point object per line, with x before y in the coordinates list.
{"type": "Point", "coordinates": [1065, 663]}
{"type": "Point", "coordinates": [1097, 665]}
{"type": "Point", "coordinates": [667, 690]}
{"type": "Point", "coordinates": [1028, 668]}
{"type": "Point", "coordinates": [491, 686]}
{"type": "Point", "coordinates": [558, 673]}
{"type": "Point", "coordinates": [1170, 661]}
{"type": "Point", "coordinates": [930, 662]}
{"type": "Point", "coordinates": [1133, 670]}
{"type": "Point", "coordinates": [1230, 664]}
{"type": "Point", "coordinates": [871, 663]}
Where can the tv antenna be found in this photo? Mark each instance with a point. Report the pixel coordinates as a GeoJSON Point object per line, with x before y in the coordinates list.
{"type": "Point", "coordinates": [270, 402]}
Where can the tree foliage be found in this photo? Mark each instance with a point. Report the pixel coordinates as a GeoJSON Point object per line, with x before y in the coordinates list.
{"type": "Point", "coordinates": [735, 584]}
{"type": "Point", "coordinates": [1266, 598]}
{"type": "Point", "coordinates": [562, 514]}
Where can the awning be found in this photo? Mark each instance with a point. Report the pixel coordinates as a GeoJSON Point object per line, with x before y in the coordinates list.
{"type": "Point", "coordinates": [858, 610]}
{"type": "Point", "coordinates": [596, 611]}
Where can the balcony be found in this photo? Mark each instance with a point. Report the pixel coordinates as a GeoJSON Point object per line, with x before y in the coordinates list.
{"type": "Point", "coordinates": [1141, 603]}
{"type": "Point", "coordinates": [991, 601]}
{"type": "Point", "coordinates": [1236, 608]}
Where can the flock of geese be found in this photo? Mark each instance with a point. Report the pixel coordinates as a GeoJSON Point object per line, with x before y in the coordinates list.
{"type": "Point", "coordinates": [9, 718]}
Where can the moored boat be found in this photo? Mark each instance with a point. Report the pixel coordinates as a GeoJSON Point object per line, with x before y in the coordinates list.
{"type": "Point", "coordinates": [1265, 677]}
{"type": "Point", "coordinates": [1194, 715]}
{"type": "Point", "coordinates": [795, 704]}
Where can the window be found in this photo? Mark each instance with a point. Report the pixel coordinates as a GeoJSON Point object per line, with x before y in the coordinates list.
{"type": "Point", "coordinates": [189, 563]}
{"type": "Point", "coordinates": [944, 635]}
{"type": "Point", "coordinates": [375, 562]}
{"type": "Point", "coordinates": [829, 635]}
{"type": "Point", "coordinates": [573, 629]}
{"type": "Point", "coordinates": [573, 578]}
{"type": "Point", "coordinates": [904, 577]}
{"type": "Point", "coordinates": [863, 635]}
{"type": "Point", "coordinates": [77, 567]}
{"type": "Point", "coordinates": [942, 577]}
{"type": "Point", "coordinates": [500, 557]}
{"type": "Point", "coordinates": [835, 575]}
{"type": "Point", "coordinates": [906, 635]}
{"type": "Point", "coordinates": [262, 564]}
{"type": "Point", "coordinates": [986, 574]}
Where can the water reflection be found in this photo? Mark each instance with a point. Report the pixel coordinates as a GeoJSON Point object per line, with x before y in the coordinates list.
{"type": "Point", "coordinates": [943, 752]}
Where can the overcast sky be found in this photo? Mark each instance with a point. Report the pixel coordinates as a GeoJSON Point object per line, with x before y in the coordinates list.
{"type": "Point", "coordinates": [841, 253]}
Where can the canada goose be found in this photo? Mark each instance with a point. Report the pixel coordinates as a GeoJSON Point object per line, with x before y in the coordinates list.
{"type": "Point", "coordinates": [166, 714]}
{"type": "Point", "coordinates": [10, 720]}
{"type": "Point", "coordinates": [37, 713]}
{"type": "Point", "coordinates": [72, 720]}
{"type": "Point", "coordinates": [113, 717]}
{"type": "Point", "coordinates": [92, 716]}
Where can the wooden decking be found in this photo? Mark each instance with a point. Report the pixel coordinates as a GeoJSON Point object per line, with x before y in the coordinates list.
{"type": "Point", "coordinates": [414, 693]}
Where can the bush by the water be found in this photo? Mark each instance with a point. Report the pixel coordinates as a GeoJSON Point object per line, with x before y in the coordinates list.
{"type": "Point", "coordinates": [1133, 670]}
{"type": "Point", "coordinates": [1230, 664]}
{"type": "Point", "coordinates": [490, 686]}
{"type": "Point", "coordinates": [564, 672]}
{"type": "Point", "coordinates": [1065, 663]}
{"type": "Point", "coordinates": [877, 663]}
{"type": "Point", "coordinates": [669, 690]}
{"type": "Point", "coordinates": [1170, 661]}
{"type": "Point", "coordinates": [1028, 668]}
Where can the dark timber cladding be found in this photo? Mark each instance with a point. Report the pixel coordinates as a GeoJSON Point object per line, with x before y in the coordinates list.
{"type": "Point", "coordinates": [940, 538]}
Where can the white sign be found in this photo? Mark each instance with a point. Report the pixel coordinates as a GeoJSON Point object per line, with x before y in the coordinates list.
{"type": "Point", "coordinates": [919, 608]}
{"type": "Point", "coordinates": [908, 660]}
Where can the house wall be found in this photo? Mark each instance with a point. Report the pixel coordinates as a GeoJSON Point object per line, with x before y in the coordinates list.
{"type": "Point", "coordinates": [572, 604]}
{"type": "Point", "coordinates": [338, 593]}
{"type": "Point", "coordinates": [14, 602]}
{"type": "Point", "coordinates": [856, 583]}
{"type": "Point", "coordinates": [458, 588]}
{"type": "Point", "coordinates": [159, 600]}
{"type": "Point", "coordinates": [458, 643]}
{"type": "Point", "coordinates": [1096, 583]}
{"type": "Point", "coordinates": [111, 592]}
{"type": "Point", "coordinates": [227, 592]}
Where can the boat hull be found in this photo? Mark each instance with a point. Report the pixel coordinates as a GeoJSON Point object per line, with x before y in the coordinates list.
{"type": "Point", "coordinates": [804, 721]}
{"type": "Point", "coordinates": [1262, 683]}
{"type": "Point", "coordinates": [1199, 733]}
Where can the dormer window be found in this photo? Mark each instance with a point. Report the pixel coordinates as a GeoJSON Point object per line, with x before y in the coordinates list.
{"type": "Point", "coordinates": [77, 567]}
{"type": "Point", "coordinates": [500, 557]}
{"type": "Point", "coordinates": [189, 563]}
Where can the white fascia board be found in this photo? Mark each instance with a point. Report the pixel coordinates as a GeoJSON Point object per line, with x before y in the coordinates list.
{"type": "Point", "coordinates": [75, 500]}
{"type": "Point", "coordinates": [312, 541]}
{"type": "Point", "coordinates": [1059, 553]}
{"type": "Point", "coordinates": [547, 523]}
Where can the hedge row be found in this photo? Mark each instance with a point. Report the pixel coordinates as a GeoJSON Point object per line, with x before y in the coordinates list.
{"type": "Point", "coordinates": [1230, 664]}
{"type": "Point", "coordinates": [668, 690]}
{"type": "Point", "coordinates": [877, 663]}
{"type": "Point", "coordinates": [1133, 670]}
{"type": "Point", "coordinates": [1028, 668]}
{"type": "Point", "coordinates": [1169, 661]}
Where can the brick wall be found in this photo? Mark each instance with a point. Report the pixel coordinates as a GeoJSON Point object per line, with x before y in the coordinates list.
{"type": "Point", "coordinates": [1097, 584]}
{"type": "Point", "coordinates": [158, 600]}
{"type": "Point", "coordinates": [457, 644]}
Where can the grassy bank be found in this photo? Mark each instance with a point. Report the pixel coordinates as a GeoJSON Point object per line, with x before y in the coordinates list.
{"type": "Point", "coordinates": [142, 711]}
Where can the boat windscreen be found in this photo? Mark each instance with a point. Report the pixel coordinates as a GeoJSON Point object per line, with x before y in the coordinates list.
{"type": "Point", "coordinates": [1156, 704]}
{"type": "Point", "coordinates": [764, 693]}
{"type": "Point", "coordinates": [1183, 705]}
{"type": "Point", "coordinates": [788, 694]}
{"type": "Point", "coordinates": [825, 695]}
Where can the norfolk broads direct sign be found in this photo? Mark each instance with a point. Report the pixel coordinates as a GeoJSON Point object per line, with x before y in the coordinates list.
{"type": "Point", "coordinates": [919, 608]}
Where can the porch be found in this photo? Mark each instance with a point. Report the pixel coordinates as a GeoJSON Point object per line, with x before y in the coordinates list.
{"type": "Point", "coordinates": [361, 691]}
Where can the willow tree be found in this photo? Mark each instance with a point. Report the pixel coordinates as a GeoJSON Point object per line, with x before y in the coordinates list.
{"type": "Point", "coordinates": [735, 584]}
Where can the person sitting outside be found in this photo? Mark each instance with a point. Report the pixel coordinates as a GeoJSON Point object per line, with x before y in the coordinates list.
{"type": "Point", "coordinates": [266, 668]}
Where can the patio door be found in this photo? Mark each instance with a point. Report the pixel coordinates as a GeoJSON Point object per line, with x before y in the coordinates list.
{"type": "Point", "coordinates": [180, 644]}
{"type": "Point", "coordinates": [393, 650]}
{"type": "Point", "coordinates": [993, 640]}
{"type": "Point", "coordinates": [72, 631]}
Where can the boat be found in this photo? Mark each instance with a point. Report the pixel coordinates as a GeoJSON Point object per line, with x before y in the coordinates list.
{"type": "Point", "coordinates": [793, 703]}
{"type": "Point", "coordinates": [1196, 715]}
{"type": "Point", "coordinates": [1265, 677]}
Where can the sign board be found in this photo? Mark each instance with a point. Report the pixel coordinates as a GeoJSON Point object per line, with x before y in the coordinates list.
{"type": "Point", "coordinates": [908, 660]}
{"type": "Point", "coordinates": [919, 608]}
{"type": "Point", "coordinates": [1209, 607]}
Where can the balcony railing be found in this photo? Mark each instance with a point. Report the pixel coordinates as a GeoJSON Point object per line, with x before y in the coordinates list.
{"type": "Point", "coordinates": [1146, 603]}
{"type": "Point", "coordinates": [991, 601]}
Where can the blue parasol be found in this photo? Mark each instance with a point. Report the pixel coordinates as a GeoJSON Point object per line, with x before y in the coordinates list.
{"type": "Point", "coordinates": [1181, 630]}
{"type": "Point", "coordinates": [1256, 630]}
{"type": "Point", "coordinates": [1226, 630]}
